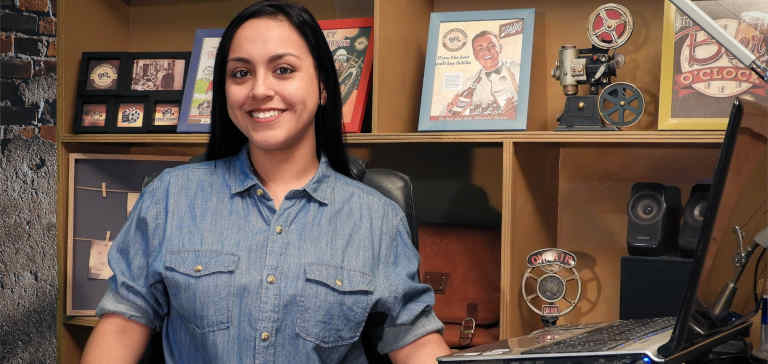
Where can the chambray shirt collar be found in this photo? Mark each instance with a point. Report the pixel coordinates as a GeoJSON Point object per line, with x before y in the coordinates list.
{"type": "Point", "coordinates": [242, 177]}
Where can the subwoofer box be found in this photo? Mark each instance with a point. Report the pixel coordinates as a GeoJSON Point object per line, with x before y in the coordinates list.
{"type": "Point", "coordinates": [652, 286]}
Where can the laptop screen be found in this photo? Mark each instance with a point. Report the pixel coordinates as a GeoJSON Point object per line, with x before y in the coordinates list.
{"type": "Point", "coordinates": [735, 211]}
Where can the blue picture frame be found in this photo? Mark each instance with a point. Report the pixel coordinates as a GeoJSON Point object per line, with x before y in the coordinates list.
{"type": "Point", "coordinates": [197, 90]}
{"type": "Point", "coordinates": [461, 93]}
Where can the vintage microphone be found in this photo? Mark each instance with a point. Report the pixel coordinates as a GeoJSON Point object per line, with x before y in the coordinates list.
{"type": "Point", "coordinates": [722, 305]}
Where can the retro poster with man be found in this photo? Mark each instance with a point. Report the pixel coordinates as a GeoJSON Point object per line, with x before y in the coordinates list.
{"type": "Point", "coordinates": [476, 74]}
{"type": "Point", "coordinates": [699, 77]}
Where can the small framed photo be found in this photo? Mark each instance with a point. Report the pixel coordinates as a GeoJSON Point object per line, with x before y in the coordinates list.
{"type": "Point", "coordinates": [351, 43]}
{"type": "Point", "coordinates": [153, 72]}
{"type": "Point", "coordinates": [130, 115]}
{"type": "Point", "coordinates": [699, 78]}
{"type": "Point", "coordinates": [164, 115]}
{"type": "Point", "coordinates": [477, 71]}
{"type": "Point", "coordinates": [92, 114]}
{"type": "Point", "coordinates": [101, 73]}
{"type": "Point", "coordinates": [195, 114]}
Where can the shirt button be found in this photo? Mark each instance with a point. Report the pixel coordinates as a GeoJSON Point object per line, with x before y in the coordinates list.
{"type": "Point", "coordinates": [259, 192]}
{"type": "Point", "coordinates": [271, 279]}
{"type": "Point", "coordinates": [198, 268]}
{"type": "Point", "coordinates": [264, 336]}
{"type": "Point", "coordinates": [279, 229]}
{"type": "Point", "coordinates": [338, 282]}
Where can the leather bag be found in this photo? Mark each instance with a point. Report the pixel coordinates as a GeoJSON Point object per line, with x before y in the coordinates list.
{"type": "Point", "coordinates": [463, 266]}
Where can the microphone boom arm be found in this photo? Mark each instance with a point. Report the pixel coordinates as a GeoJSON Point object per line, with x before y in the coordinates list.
{"type": "Point", "coordinates": [718, 33]}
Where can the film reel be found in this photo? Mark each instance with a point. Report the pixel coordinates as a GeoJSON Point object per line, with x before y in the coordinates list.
{"type": "Point", "coordinates": [610, 26]}
{"type": "Point", "coordinates": [621, 104]}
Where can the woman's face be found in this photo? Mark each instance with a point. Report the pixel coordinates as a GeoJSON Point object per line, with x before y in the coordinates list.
{"type": "Point", "coordinates": [272, 85]}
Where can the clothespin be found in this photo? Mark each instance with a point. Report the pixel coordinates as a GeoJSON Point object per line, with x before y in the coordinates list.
{"type": "Point", "coordinates": [103, 189]}
{"type": "Point", "coordinates": [107, 238]}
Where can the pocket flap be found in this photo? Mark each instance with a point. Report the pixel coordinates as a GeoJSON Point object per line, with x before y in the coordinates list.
{"type": "Point", "coordinates": [197, 263]}
{"type": "Point", "coordinates": [339, 278]}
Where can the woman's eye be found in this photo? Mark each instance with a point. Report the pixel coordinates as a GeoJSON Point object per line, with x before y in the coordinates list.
{"type": "Point", "coordinates": [284, 70]}
{"type": "Point", "coordinates": [239, 73]}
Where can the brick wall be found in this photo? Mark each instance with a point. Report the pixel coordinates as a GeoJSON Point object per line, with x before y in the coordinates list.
{"type": "Point", "coordinates": [28, 68]}
{"type": "Point", "coordinates": [28, 278]}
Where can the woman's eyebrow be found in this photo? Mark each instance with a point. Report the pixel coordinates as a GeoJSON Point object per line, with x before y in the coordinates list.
{"type": "Point", "coordinates": [271, 59]}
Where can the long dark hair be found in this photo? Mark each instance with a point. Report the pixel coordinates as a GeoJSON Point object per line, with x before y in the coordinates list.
{"type": "Point", "coordinates": [227, 140]}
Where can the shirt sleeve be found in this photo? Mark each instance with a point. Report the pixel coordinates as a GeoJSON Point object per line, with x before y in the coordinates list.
{"type": "Point", "coordinates": [136, 290]}
{"type": "Point", "coordinates": [407, 302]}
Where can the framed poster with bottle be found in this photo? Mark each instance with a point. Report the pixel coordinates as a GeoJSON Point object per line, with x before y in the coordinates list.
{"type": "Point", "coordinates": [477, 71]}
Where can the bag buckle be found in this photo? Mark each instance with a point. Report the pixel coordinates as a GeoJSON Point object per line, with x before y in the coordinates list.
{"type": "Point", "coordinates": [467, 331]}
{"type": "Point", "coordinates": [437, 280]}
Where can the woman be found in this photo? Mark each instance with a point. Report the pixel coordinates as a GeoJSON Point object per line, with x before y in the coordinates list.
{"type": "Point", "coordinates": [267, 252]}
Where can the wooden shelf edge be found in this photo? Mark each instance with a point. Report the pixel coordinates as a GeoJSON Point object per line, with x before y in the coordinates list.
{"type": "Point", "coordinates": [81, 320]}
{"type": "Point", "coordinates": [135, 138]}
{"type": "Point", "coordinates": [543, 136]}
{"type": "Point", "coordinates": [430, 137]}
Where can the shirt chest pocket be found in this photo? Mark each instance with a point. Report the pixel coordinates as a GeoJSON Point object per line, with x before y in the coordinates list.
{"type": "Point", "coordinates": [200, 286]}
{"type": "Point", "coordinates": [334, 304]}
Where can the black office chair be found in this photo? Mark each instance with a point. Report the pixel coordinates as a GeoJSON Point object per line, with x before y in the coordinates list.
{"type": "Point", "coordinates": [390, 183]}
{"type": "Point", "coordinates": [398, 188]}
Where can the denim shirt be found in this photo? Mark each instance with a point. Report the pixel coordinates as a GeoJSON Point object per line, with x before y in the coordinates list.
{"type": "Point", "coordinates": [207, 258]}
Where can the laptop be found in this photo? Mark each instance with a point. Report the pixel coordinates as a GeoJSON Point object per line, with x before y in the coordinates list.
{"type": "Point", "coordinates": [707, 317]}
{"type": "Point", "coordinates": [739, 176]}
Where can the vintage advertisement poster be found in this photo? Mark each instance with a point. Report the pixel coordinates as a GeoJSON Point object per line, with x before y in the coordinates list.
{"type": "Point", "coordinates": [704, 76]}
{"type": "Point", "coordinates": [477, 70]}
{"type": "Point", "coordinates": [200, 107]}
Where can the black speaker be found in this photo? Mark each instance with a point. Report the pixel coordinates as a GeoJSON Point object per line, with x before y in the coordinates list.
{"type": "Point", "coordinates": [654, 219]}
{"type": "Point", "coordinates": [652, 286]}
{"type": "Point", "coordinates": [693, 217]}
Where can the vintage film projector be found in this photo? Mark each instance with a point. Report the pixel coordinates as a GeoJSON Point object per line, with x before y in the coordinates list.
{"type": "Point", "coordinates": [609, 105]}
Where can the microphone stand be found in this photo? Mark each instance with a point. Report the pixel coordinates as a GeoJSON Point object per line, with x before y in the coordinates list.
{"type": "Point", "coordinates": [720, 309]}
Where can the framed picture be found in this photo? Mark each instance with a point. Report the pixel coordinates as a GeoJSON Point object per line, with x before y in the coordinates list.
{"type": "Point", "coordinates": [101, 73]}
{"type": "Point", "coordinates": [351, 43]}
{"type": "Point", "coordinates": [165, 113]}
{"type": "Point", "coordinates": [130, 115]}
{"type": "Point", "coordinates": [195, 114]}
{"type": "Point", "coordinates": [102, 191]}
{"type": "Point", "coordinates": [153, 72]}
{"type": "Point", "coordinates": [477, 71]}
{"type": "Point", "coordinates": [92, 114]}
{"type": "Point", "coordinates": [699, 79]}
{"type": "Point", "coordinates": [118, 91]}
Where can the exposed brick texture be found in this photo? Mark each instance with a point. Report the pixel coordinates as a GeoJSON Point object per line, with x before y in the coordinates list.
{"type": "Point", "coordinates": [28, 280]}
{"type": "Point", "coordinates": [44, 68]}
{"type": "Point", "coordinates": [19, 23]}
{"type": "Point", "coordinates": [51, 48]}
{"type": "Point", "coordinates": [28, 132]}
{"type": "Point", "coordinates": [47, 26]}
{"type": "Point", "coordinates": [11, 115]}
{"type": "Point", "coordinates": [6, 43]}
{"type": "Point", "coordinates": [30, 47]}
{"type": "Point", "coordinates": [33, 5]}
{"type": "Point", "coordinates": [16, 68]}
{"type": "Point", "coordinates": [10, 91]}
{"type": "Point", "coordinates": [48, 132]}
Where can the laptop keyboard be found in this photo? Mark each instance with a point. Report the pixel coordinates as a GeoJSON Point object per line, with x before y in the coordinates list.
{"type": "Point", "coordinates": [606, 337]}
